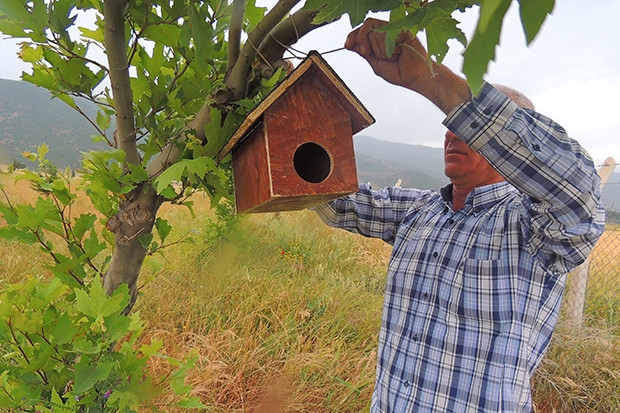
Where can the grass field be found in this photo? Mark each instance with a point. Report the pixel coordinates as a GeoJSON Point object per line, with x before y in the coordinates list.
{"type": "Point", "coordinates": [284, 313]}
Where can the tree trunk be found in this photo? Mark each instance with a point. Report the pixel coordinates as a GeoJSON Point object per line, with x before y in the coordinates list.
{"type": "Point", "coordinates": [135, 219]}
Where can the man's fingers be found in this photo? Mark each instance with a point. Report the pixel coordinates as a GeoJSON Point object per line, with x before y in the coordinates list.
{"type": "Point", "coordinates": [351, 40]}
{"type": "Point", "coordinates": [363, 40]}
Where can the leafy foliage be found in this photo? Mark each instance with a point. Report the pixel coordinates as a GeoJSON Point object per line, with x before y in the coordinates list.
{"type": "Point", "coordinates": [72, 350]}
{"type": "Point", "coordinates": [66, 345]}
{"type": "Point", "coordinates": [437, 20]}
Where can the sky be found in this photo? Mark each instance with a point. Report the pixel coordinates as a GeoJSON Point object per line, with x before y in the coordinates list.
{"type": "Point", "coordinates": [571, 72]}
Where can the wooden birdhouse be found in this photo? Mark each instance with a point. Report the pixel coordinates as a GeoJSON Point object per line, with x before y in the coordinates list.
{"type": "Point", "coordinates": [295, 149]}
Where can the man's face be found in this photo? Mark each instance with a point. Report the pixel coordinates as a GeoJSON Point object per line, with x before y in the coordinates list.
{"type": "Point", "coordinates": [464, 166]}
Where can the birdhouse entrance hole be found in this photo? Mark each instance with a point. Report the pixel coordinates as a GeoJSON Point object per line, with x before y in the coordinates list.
{"type": "Point", "coordinates": [312, 162]}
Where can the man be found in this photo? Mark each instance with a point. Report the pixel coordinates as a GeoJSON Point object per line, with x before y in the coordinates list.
{"type": "Point", "coordinates": [476, 276]}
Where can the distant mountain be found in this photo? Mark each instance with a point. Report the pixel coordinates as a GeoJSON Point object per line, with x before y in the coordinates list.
{"type": "Point", "coordinates": [29, 116]}
{"type": "Point", "coordinates": [383, 163]}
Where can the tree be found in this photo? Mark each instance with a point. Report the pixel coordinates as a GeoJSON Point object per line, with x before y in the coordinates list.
{"type": "Point", "coordinates": [179, 76]}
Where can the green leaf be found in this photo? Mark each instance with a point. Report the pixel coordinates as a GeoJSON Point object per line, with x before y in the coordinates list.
{"type": "Point", "coordinates": [30, 54]}
{"type": "Point", "coordinates": [103, 120]}
{"type": "Point", "coordinates": [86, 376]}
{"type": "Point", "coordinates": [60, 16]}
{"type": "Point", "coordinates": [163, 228]}
{"type": "Point", "coordinates": [151, 349]}
{"type": "Point", "coordinates": [356, 9]}
{"type": "Point", "coordinates": [66, 98]}
{"type": "Point", "coordinates": [165, 179]}
{"type": "Point", "coordinates": [434, 17]}
{"type": "Point", "coordinates": [533, 14]}
{"type": "Point", "coordinates": [62, 193]}
{"type": "Point", "coordinates": [96, 303]}
{"type": "Point", "coordinates": [61, 406]}
{"type": "Point", "coordinates": [481, 49]}
{"type": "Point", "coordinates": [202, 32]}
{"type": "Point", "coordinates": [437, 35]}
{"type": "Point", "coordinates": [162, 35]}
{"type": "Point", "coordinates": [191, 403]}
{"type": "Point", "coordinates": [42, 150]}
{"type": "Point", "coordinates": [96, 35]}
{"type": "Point", "coordinates": [253, 14]}
{"type": "Point", "coordinates": [83, 223]}
{"type": "Point", "coordinates": [185, 168]}
{"type": "Point", "coordinates": [16, 234]}
{"type": "Point", "coordinates": [63, 330]}
{"type": "Point", "coordinates": [8, 214]}
{"type": "Point", "coordinates": [32, 15]}
{"type": "Point", "coordinates": [177, 379]}
{"type": "Point", "coordinates": [214, 132]}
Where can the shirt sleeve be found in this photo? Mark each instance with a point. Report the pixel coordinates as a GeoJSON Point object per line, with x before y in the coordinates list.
{"type": "Point", "coordinates": [563, 215]}
{"type": "Point", "coordinates": [372, 213]}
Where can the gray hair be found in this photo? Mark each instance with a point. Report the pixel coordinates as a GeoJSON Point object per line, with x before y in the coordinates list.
{"type": "Point", "coordinates": [516, 96]}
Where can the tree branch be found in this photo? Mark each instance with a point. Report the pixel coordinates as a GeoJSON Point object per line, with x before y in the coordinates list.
{"type": "Point", "coordinates": [170, 154]}
{"type": "Point", "coordinates": [236, 83]}
{"type": "Point", "coordinates": [116, 50]}
{"type": "Point", "coordinates": [234, 34]}
{"type": "Point", "coordinates": [287, 33]}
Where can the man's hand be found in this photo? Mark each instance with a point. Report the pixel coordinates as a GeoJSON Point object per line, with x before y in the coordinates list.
{"type": "Point", "coordinates": [409, 66]}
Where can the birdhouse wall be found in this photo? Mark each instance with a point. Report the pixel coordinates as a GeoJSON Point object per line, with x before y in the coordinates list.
{"type": "Point", "coordinates": [251, 171]}
{"type": "Point", "coordinates": [299, 154]}
{"type": "Point", "coordinates": [309, 115]}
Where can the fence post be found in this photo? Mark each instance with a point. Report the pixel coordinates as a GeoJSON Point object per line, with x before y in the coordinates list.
{"type": "Point", "coordinates": [578, 278]}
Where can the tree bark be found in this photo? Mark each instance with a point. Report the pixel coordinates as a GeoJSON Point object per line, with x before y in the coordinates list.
{"type": "Point", "coordinates": [237, 82]}
{"type": "Point", "coordinates": [136, 218]}
{"type": "Point", "coordinates": [137, 213]}
{"type": "Point", "coordinates": [116, 50]}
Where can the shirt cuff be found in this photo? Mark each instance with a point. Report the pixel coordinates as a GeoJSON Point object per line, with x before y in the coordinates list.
{"type": "Point", "coordinates": [479, 120]}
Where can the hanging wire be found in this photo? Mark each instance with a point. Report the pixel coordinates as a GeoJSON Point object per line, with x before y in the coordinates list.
{"type": "Point", "coordinates": [334, 50]}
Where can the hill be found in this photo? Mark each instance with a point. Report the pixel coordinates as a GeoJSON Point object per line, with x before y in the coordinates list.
{"type": "Point", "coordinates": [29, 116]}
{"type": "Point", "coordinates": [383, 163]}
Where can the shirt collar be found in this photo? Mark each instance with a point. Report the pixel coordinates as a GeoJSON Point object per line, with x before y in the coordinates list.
{"type": "Point", "coordinates": [482, 197]}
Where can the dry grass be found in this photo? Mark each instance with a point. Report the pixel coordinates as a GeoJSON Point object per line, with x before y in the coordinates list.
{"type": "Point", "coordinates": [18, 260]}
{"type": "Point", "coordinates": [278, 324]}
{"type": "Point", "coordinates": [581, 372]}
{"type": "Point", "coordinates": [284, 313]}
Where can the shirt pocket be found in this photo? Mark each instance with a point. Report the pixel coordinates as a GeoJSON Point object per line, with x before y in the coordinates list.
{"type": "Point", "coordinates": [483, 293]}
{"type": "Point", "coordinates": [487, 245]}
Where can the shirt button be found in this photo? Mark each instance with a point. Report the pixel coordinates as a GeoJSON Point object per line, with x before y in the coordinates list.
{"type": "Point", "coordinates": [536, 147]}
{"type": "Point", "coordinates": [487, 111]}
{"type": "Point", "coordinates": [415, 338]}
{"type": "Point", "coordinates": [474, 125]}
{"type": "Point", "coordinates": [425, 296]}
{"type": "Point", "coordinates": [406, 384]}
{"type": "Point", "coordinates": [435, 254]}
{"type": "Point", "coordinates": [450, 221]}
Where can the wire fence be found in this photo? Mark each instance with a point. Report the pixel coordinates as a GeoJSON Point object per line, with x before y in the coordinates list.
{"type": "Point", "coordinates": [593, 289]}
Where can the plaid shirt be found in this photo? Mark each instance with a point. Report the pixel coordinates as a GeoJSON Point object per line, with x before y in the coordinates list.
{"type": "Point", "coordinates": [472, 296]}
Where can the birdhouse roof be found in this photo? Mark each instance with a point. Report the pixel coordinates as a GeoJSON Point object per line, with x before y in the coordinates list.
{"type": "Point", "coordinates": [313, 65]}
